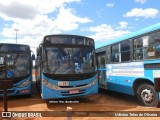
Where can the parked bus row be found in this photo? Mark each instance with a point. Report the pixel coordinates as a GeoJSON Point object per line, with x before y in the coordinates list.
{"type": "Point", "coordinates": [66, 66]}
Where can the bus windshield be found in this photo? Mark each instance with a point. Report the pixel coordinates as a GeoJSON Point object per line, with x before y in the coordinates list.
{"type": "Point", "coordinates": [69, 60]}
{"type": "Point", "coordinates": [14, 65]}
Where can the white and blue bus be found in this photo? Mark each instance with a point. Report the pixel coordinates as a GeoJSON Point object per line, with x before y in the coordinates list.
{"type": "Point", "coordinates": [131, 65]}
{"type": "Point", "coordinates": [66, 66]}
{"type": "Point", "coordinates": [16, 65]}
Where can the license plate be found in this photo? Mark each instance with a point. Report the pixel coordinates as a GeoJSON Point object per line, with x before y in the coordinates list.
{"type": "Point", "coordinates": [63, 83]}
{"type": "Point", "coordinates": [74, 91]}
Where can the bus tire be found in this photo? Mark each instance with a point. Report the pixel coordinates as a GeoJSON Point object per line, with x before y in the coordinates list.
{"type": "Point", "coordinates": [147, 95]}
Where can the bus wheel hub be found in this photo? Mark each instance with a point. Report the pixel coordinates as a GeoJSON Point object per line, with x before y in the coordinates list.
{"type": "Point", "coordinates": [147, 95]}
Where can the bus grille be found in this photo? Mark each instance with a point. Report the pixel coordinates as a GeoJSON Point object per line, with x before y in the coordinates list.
{"type": "Point", "coordinates": [73, 86]}
{"type": "Point", "coordinates": [66, 93]}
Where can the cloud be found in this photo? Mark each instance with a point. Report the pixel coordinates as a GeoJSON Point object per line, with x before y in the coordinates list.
{"type": "Point", "coordinates": [17, 10]}
{"type": "Point", "coordinates": [26, 9]}
{"type": "Point", "coordinates": [41, 25]}
{"type": "Point", "coordinates": [48, 6]}
{"type": "Point", "coordinates": [141, 1]}
{"type": "Point", "coordinates": [146, 13]}
{"type": "Point", "coordinates": [122, 25]}
{"type": "Point", "coordinates": [66, 20]}
{"type": "Point", "coordinates": [37, 18]}
{"type": "Point", "coordinates": [110, 4]}
{"type": "Point", "coordinates": [106, 32]}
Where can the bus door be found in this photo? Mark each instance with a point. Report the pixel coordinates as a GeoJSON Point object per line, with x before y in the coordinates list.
{"type": "Point", "coordinates": [102, 70]}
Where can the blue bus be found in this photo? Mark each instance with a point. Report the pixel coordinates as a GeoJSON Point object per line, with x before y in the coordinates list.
{"type": "Point", "coordinates": [16, 65]}
{"type": "Point", "coordinates": [131, 65]}
{"type": "Point", "coordinates": [66, 66]}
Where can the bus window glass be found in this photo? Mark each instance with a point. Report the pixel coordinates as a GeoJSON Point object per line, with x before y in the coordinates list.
{"type": "Point", "coordinates": [125, 56]}
{"type": "Point", "coordinates": [125, 51]}
{"type": "Point", "coordinates": [17, 65]}
{"type": "Point", "coordinates": [14, 48]}
{"type": "Point", "coordinates": [68, 40]}
{"type": "Point", "coordinates": [108, 54]}
{"type": "Point", "coordinates": [69, 60]}
{"type": "Point", "coordinates": [115, 53]}
{"type": "Point", "coordinates": [154, 38]}
{"type": "Point", "coordinates": [138, 43]}
{"type": "Point", "coordinates": [125, 46]}
{"type": "Point", "coordinates": [138, 54]}
{"type": "Point", "coordinates": [101, 60]}
{"type": "Point", "coordinates": [138, 49]}
{"type": "Point", "coordinates": [150, 51]}
{"type": "Point", "coordinates": [115, 48]}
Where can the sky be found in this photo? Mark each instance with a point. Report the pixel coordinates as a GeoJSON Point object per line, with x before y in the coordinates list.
{"type": "Point", "coordinates": [102, 20]}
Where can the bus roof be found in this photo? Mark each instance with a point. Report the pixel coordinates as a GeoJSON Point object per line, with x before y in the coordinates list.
{"type": "Point", "coordinates": [66, 39]}
{"type": "Point", "coordinates": [13, 44]}
{"type": "Point", "coordinates": [11, 48]}
{"type": "Point", "coordinates": [131, 35]}
{"type": "Point", "coordinates": [68, 35]}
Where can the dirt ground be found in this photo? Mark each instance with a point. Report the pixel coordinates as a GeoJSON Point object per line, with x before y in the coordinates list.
{"type": "Point", "coordinates": [109, 103]}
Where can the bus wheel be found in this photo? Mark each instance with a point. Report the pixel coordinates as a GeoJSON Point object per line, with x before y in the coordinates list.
{"type": "Point", "coordinates": [147, 95]}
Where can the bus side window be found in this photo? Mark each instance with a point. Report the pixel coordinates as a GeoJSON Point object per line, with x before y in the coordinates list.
{"type": "Point", "coordinates": [151, 53]}
{"type": "Point", "coordinates": [138, 54]}
{"type": "Point", "coordinates": [125, 51]}
{"type": "Point", "coordinates": [101, 60]}
{"type": "Point", "coordinates": [154, 50]}
{"type": "Point", "coordinates": [115, 57]}
{"type": "Point", "coordinates": [138, 49]}
{"type": "Point", "coordinates": [108, 54]}
{"type": "Point", "coordinates": [115, 53]}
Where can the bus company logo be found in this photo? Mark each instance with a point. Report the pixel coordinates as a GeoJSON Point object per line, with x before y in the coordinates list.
{"type": "Point", "coordinates": [6, 114]}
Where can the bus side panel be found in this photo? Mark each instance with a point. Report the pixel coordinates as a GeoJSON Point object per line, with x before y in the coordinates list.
{"type": "Point", "coordinates": [120, 77]}
{"type": "Point", "coordinates": [120, 84]}
{"type": "Point", "coordinates": [115, 83]}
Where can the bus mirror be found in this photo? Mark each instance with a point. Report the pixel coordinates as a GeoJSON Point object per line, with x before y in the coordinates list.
{"type": "Point", "coordinates": [33, 56]}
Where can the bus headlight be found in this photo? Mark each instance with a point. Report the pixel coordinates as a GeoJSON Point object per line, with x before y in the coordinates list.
{"type": "Point", "coordinates": [92, 83]}
{"type": "Point", "coordinates": [24, 84]}
{"type": "Point", "coordinates": [49, 85]}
